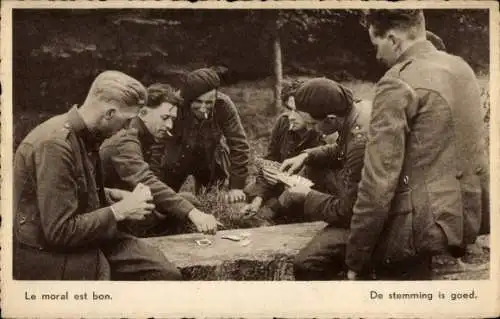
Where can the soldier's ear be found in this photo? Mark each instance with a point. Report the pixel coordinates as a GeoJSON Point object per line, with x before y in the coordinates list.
{"type": "Point", "coordinates": [109, 113]}
{"type": "Point", "coordinates": [391, 36]}
{"type": "Point", "coordinates": [395, 39]}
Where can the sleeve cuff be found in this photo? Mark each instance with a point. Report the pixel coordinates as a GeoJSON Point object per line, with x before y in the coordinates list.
{"type": "Point", "coordinates": [109, 221]}
{"type": "Point", "coordinates": [236, 182]}
{"type": "Point", "coordinates": [313, 201]}
{"type": "Point", "coordinates": [183, 209]}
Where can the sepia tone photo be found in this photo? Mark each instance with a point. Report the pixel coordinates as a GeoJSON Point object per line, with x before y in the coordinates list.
{"type": "Point", "coordinates": [291, 144]}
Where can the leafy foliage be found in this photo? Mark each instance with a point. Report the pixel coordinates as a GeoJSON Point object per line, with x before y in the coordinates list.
{"type": "Point", "coordinates": [57, 53]}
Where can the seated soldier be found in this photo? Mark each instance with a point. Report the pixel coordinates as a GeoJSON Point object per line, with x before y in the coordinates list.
{"type": "Point", "coordinates": [127, 158]}
{"type": "Point", "coordinates": [209, 140]}
{"type": "Point", "coordinates": [321, 258]}
{"type": "Point", "coordinates": [292, 133]}
{"type": "Point", "coordinates": [65, 221]}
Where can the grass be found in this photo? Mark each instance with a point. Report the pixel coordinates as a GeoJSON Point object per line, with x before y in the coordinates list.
{"type": "Point", "coordinates": [255, 103]}
{"type": "Point", "coordinates": [255, 100]}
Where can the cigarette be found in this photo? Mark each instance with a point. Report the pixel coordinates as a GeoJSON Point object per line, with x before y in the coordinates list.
{"type": "Point", "coordinates": [168, 133]}
{"type": "Point", "coordinates": [205, 115]}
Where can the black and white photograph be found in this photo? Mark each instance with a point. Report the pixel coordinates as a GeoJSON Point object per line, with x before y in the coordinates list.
{"type": "Point", "coordinates": [291, 144]}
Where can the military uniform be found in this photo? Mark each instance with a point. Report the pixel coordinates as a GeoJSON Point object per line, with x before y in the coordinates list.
{"type": "Point", "coordinates": [283, 144]}
{"type": "Point", "coordinates": [211, 150]}
{"type": "Point", "coordinates": [423, 188]}
{"type": "Point", "coordinates": [63, 229]}
{"type": "Point", "coordinates": [129, 158]}
{"type": "Point", "coordinates": [323, 257]}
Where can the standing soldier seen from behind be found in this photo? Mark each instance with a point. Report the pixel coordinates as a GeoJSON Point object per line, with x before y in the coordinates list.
{"type": "Point", "coordinates": [425, 183]}
{"type": "Point", "coordinates": [65, 221]}
{"type": "Point", "coordinates": [209, 140]}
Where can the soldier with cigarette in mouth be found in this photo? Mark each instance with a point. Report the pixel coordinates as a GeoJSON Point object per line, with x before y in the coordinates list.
{"type": "Point", "coordinates": [127, 158]}
{"type": "Point", "coordinates": [65, 220]}
{"type": "Point", "coordinates": [209, 140]}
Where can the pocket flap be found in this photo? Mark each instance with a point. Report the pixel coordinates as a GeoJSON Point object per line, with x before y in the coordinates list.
{"type": "Point", "coordinates": [401, 203]}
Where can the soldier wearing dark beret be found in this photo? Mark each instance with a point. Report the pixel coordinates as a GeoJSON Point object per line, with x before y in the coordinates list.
{"type": "Point", "coordinates": [337, 170]}
{"type": "Point", "coordinates": [209, 140]}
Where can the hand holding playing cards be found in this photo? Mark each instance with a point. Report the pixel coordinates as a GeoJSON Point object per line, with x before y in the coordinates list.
{"type": "Point", "coordinates": [135, 205]}
{"type": "Point", "coordinates": [270, 176]}
{"type": "Point", "coordinates": [114, 195]}
{"type": "Point", "coordinates": [294, 164]}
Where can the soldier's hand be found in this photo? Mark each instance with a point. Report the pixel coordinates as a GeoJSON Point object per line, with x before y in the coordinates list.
{"type": "Point", "coordinates": [269, 176]}
{"type": "Point", "coordinates": [235, 196]}
{"type": "Point", "coordinates": [135, 205]}
{"type": "Point", "coordinates": [205, 223]}
{"type": "Point", "coordinates": [294, 164]}
{"type": "Point", "coordinates": [252, 208]}
{"type": "Point", "coordinates": [115, 195]}
{"type": "Point", "coordinates": [299, 191]}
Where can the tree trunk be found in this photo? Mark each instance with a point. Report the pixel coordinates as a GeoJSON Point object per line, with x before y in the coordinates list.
{"type": "Point", "coordinates": [278, 68]}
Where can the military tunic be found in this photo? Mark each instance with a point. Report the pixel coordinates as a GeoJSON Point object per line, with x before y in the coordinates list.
{"type": "Point", "coordinates": [323, 257]}
{"type": "Point", "coordinates": [211, 150]}
{"type": "Point", "coordinates": [422, 188]}
{"type": "Point", "coordinates": [63, 228]}
{"type": "Point", "coordinates": [129, 158]}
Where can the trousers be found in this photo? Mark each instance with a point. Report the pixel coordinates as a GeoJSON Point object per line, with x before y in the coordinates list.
{"type": "Point", "coordinates": [132, 259]}
{"type": "Point", "coordinates": [124, 257]}
{"type": "Point", "coordinates": [323, 259]}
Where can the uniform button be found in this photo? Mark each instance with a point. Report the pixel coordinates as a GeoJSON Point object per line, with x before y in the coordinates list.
{"type": "Point", "coordinates": [387, 260]}
{"type": "Point", "coordinates": [406, 179]}
{"type": "Point", "coordinates": [459, 174]}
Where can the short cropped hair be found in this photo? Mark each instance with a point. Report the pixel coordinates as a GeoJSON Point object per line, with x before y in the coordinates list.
{"type": "Point", "coordinates": [383, 20]}
{"type": "Point", "coordinates": [115, 86]}
{"type": "Point", "coordinates": [159, 93]}
{"type": "Point", "coordinates": [289, 88]}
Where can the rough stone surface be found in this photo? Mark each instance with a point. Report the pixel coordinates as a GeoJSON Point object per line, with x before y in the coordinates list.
{"type": "Point", "coordinates": [270, 252]}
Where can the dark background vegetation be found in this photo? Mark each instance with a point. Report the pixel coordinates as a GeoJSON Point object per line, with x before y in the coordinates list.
{"type": "Point", "coordinates": [57, 53]}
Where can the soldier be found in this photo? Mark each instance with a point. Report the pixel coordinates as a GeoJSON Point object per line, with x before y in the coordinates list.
{"type": "Point", "coordinates": [293, 132]}
{"type": "Point", "coordinates": [209, 141]}
{"type": "Point", "coordinates": [65, 221]}
{"type": "Point", "coordinates": [337, 167]}
{"type": "Point", "coordinates": [425, 180]}
{"type": "Point", "coordinates": [127, 158]}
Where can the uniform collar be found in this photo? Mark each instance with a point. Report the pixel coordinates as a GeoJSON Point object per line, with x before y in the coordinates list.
{"type": "Point", "coordinates": [77, 124]}
{"type": "Point", "coordinates": [349, 122]}
{"type": "Point", "coordinates": [416, 49]}
{"type": "Point", "coordinates": [145, 136]}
